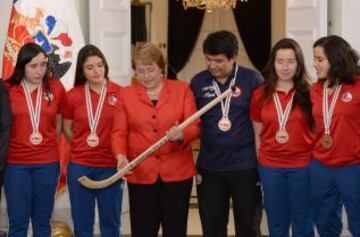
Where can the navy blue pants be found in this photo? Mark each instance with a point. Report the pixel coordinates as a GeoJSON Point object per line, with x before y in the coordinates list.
{"type": "Point", "coordinates": [329, 187]}
{"type": "Point", "coordinates": [287, 201]}
{"type": "Point", "coordinates": [82, 201]}
{"type": "Point", "coordinates": [30, 194]}
{"type": "Point", "coordinates": [214, 190]}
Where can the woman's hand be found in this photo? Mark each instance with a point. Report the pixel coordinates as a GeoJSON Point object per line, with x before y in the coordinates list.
{"type": "Point", "coordinates": [175, 134]}
{"type": "Point", "coordinates": [122, 162]}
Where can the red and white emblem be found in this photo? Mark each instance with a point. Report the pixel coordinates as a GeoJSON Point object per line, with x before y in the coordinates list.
{"type": "Point", "coordinates": [237, 92]}
{"type": "Point", "coordinates": [346, 97]}
{"type": "Point", "coordinates": [112, 100]}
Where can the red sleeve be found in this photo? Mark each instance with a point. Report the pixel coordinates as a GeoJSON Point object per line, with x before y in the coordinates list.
{"type": "Point", "coordinates": [68, 106]}
{"type": "Point", "coordinates": [192, 131]}
{"type": "Point", "coordinates": [119, 134]}
{"type": "Point", "coordinates": [255, 108]}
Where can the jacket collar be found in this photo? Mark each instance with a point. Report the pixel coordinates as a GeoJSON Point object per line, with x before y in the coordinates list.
{"type": "Point", "coordinates": [164, 95]}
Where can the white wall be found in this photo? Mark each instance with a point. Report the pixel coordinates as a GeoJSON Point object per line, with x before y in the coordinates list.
{"type": "Point", "coordinates": [5, 7]}
{"type": "Point", "coordinates": [343, 19]}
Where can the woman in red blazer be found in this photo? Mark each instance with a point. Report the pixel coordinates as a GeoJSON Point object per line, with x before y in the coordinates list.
{"type": "Point", "coordinates": [160, 186]}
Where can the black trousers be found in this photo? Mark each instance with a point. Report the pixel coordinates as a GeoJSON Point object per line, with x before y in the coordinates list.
{"type": "Point", "coordinates": [214, 191]}
{"type": "Point", "coordinates": [258, 210]}
{"type": "Point", "coordinates": [162, 203]}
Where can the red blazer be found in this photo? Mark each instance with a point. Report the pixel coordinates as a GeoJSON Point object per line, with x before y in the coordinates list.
{"type": "Point", "coordinates": [138, 124]}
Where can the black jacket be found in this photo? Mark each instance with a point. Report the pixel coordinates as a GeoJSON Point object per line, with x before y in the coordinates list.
{"type": "Point", "coordinates": [5, 124]}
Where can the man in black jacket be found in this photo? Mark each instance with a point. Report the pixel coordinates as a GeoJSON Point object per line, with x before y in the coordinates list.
{"type": "Point", "coordinates": [5, 128]}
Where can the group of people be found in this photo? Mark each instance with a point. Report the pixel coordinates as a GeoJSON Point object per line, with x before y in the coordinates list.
{"type": "Point", "coordinates": [301, 141]}
{"type": "Point", "coordinates": [307, 139]}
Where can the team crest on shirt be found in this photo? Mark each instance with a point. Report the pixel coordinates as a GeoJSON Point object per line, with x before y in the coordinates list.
{"type": "Point", "coordinates": [49, 97]}
{"type": "Point", "coordinates": [346, 97]}
{"type": "Point", "coordinates": [113, 100]}
{"type": "Point", "coordinates": [237, 92]}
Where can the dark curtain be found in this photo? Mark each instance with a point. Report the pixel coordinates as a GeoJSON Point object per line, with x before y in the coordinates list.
{"type": "Point", "coordinates": [253, 20]}
{"type": "Point", "coordinates": [183, 29]}
{"type": "Point", "coordinates": [138, 24]}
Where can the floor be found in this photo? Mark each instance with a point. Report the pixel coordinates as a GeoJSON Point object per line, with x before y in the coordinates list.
{"type": "Point", "coordinates": [194, 225]}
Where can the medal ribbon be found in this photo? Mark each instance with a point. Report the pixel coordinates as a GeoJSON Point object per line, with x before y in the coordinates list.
{"type": "Point", "coordinates": [328, 112]}
{"type": "Point", "coordinates": [34, 113]}
{"type": "Point", "coordinates": [225, 107]}
{"type": "Point", "coordinates": [283, 116]}
{"type": "Point", "coordinates": [94, 121]}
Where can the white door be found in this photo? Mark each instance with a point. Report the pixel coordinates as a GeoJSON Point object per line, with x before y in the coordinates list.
{"type": "Point", "coordinates": [159, 24]}
{"type": "Point", "coordinates": [217, 20]}
{"type": "Point", "coordinates": [306, 21]}
{"type": "Point", "coordinates": [110, 31]}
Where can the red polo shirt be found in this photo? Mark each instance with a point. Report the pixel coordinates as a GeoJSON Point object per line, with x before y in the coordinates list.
{"type": "Point", "coordinates": [344, 129]}
{"type": "Point", "coordinates": [298, 150]}
{"type": "Point", "coordinates": [139, 124]}
{"type": "Point", "coordinates": [21, 151]}
{"type": "Point", "coordinates": [75, 109]}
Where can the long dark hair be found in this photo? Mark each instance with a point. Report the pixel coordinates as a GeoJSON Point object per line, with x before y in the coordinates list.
{"type": "Point", "coordinates": [342, 58]}
{"type": "Point", "coordinates": [27, 52]}
{"type": "Point", "coordinates": [301, 79]}
{"type": "Point", "coordinates": [85, 52]}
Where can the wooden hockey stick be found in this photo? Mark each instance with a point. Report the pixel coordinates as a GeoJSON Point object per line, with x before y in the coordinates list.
{"type": "Point", "coordinates": [92, 184]}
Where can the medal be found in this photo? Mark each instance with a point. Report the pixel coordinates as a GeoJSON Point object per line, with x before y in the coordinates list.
{"type": "Point", "coordinates": [35, 137]}
{"type": "Point", "coordinates": [224, 123]}
{"type": "Point", "coordinates": [282, 136]}
{"type": "Point", "coordinates": [93, 139]}
{"type": "Point", "coordinates": [327, 140]}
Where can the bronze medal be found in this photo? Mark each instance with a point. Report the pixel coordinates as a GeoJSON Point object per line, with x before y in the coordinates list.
{"type": "Point", "coordinates": [282, 136]}
{"type": "Point", "coordinates": [224, 124]}
{"type": "Point", "coordinates": [36, 138]}
{"type": "Point", "coordinates": [327, 141]}
{"type": "Point", "coordinates": [92, 140]}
